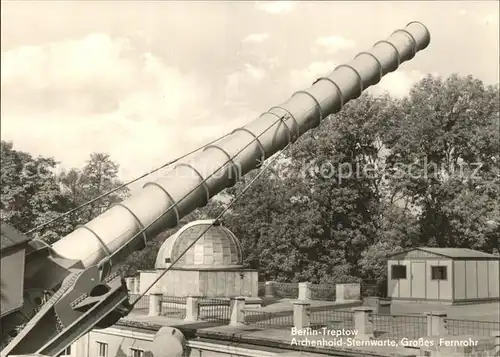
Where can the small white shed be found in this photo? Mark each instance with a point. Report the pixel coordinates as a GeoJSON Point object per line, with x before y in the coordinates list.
{"type": "Point", "coordinates": [448, 275]}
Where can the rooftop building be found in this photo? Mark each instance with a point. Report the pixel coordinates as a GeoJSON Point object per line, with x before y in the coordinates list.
{"type": "Point", "coordinates": [212, 267]}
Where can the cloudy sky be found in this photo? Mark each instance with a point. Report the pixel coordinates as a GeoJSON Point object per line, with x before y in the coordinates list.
{"type": "Point", "coordinates": [148, 81]}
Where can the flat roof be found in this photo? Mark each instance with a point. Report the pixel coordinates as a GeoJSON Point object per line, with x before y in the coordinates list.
{"type": "Point", "coordinates": [11, 237]}
{"type": "Point", "coordinates": [274, 331]}
{"type": "Point", "coordinates": [258, 338]}
{"type": "Point", "coordinates": [452, 253]}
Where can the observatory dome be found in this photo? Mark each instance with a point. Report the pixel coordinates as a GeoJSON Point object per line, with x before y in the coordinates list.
{"type": "Point", "coordinates": [217, 248]}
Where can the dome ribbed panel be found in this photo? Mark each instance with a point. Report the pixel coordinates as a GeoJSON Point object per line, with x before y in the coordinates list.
{"type": "Point", "coordinates": [217, 247]}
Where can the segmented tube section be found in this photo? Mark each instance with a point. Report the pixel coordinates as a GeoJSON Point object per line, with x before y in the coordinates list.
{"type": "Point", "coordinates": [193, 182]}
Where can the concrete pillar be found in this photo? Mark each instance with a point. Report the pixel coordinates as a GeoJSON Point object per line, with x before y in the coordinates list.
{"type": "Point", "coordinates": [384, 307]}
{"type": "Point", "coordinates": [270, 289]}
{"type": "Point", "coordinates": [154, 304]}
{"type": "Point", "coordinates": [304, 291]}
{"type": "Point", "coordinates": [127, 282]}
{"type": "Point", "coordinates": [237, 310]}
{"type": "Point", "coordinates": [496, 342]}
{"type": "Point", "coordinates": [347, 292]}
{"type": "Point", "coordinates": [363, 322]}
{"type": "Point", "coordinates": [436, 323]}
{"type": "Point", "coordinates": [137, 286]}
{"type": "Point", "coordinates": [301, 314]}
{"type": "Point", "coordinates": [192, 307]}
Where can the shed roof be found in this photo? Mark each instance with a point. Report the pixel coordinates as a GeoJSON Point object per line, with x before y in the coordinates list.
{"type": "Point", "coordinates": [452, 253]}
{"type": "Point", "coordinates": [11, 237]}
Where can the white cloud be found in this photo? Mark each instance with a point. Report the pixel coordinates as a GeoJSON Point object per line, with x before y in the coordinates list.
{"type": "Point", "coordinates": [398, 83]}
{"type": "Point", "coordinates": [70, 98]}
{"type": "Point", "coordinates": [491, 19]}
{"type": "Point", "coordinates": [239, 82]}
{"type": "Point", "coordinates": [255, 73]}
{"type": "Point", "coordinates": [276, 7]}
{"type": "Point", "coordinates": [69, 64]}
{"type": "Point", "coordinates": [272, 62]}
{"type": "Point", "coordinates": [96, 74]}
{"type": "Point", "coordinates": [256, 37]}
{"type": "Point", "coordinates": [101, 93]}
{"type": "Point", "coordinates": [333, 44]}
{"type": "Point", "coordinates": [303, 78]}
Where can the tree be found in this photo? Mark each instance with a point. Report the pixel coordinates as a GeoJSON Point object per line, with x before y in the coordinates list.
{"type": "Point", "coordinates": [348, 155]}
{"type": "Point", "coordinates": [30, 193]}
{"type": "Point", "coordinates": [445, 159]}
{"type": "Point", "coordinates": [72, 187]}
{"type": "Point", "coordinates": [276, 227]}
{"type": "Point", "coordinates": [310, 221]}
{"type": "Point", "coordinates": [381, 176]}
{"type": "Point", "coordinates": [398, 232]}
{"type": "Point", "coordinates": [98, 176]}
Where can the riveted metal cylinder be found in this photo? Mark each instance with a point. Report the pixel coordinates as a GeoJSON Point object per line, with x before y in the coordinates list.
{"type": "Point", "coordinates": [190, 184]}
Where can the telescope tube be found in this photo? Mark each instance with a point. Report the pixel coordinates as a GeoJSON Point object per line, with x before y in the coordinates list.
{"type": "Point", "coordinates": [178, 188]}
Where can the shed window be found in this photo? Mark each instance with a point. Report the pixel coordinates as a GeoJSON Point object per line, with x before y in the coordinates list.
{"type": "Point", "coordinates": [134, 352]}
{"type": "Point", "coordinates": [167, 260]}
{"type": "Point", "coordinates": [439, 273]}
{"type": "Point", "coordinates": [102, 349]}
{"type": "Point", "coordinates": [398, 272]}
{"type": "Point", "coordinates": [66, 352]}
